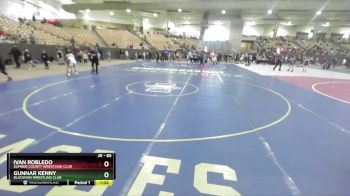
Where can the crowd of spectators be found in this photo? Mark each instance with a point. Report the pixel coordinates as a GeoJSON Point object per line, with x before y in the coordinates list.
{"type": "Point", "coordinates": [321, 53]}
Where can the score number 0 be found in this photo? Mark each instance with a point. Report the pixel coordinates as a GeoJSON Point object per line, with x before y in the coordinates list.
{"type": "Point", "coordinates": [106, 164]}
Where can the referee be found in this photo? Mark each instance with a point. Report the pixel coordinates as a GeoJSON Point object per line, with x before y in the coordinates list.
{"type": "Point", "coordinates": [94, 60]}
{"type": "Point", "coordinates": [278, 59]}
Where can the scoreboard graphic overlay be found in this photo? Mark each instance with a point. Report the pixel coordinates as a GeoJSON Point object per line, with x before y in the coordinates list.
{"type": "Point", "coordinates": [61, 168]}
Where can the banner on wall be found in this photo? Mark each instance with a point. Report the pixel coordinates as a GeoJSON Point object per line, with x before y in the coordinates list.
{"type": "Point", "coordinates": [53, 21]}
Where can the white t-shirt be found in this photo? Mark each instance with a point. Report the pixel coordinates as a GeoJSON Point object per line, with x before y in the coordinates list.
{"type": "Point", "coordinates": [85, 56]}
{"type": "Point", "coordinates": [71, 59]}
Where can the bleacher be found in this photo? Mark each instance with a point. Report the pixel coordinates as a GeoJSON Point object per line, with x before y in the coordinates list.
{"type": "Point", "coordinates": [53, 30]}
{"type": "Point", "coordinates": [82, 36]}
{"type": "Point", "coordinates": [161, 42]}
{"type": "Point", "coordinates": [345, 46]}
{"type": "Point", "coordinates": [186, 43]}
{"type": "Point", "coordinates": [306, 44]}
{"type": "Point", "coordinates": [270, 43]}
{"type": "Point", "coordinates": [309, 44]}
{"type": "Point", "coordinates": [52, 35]}
{"type": "Point", "coordinates": [16, 30]}
{"type": "Point", "coordinates": [122, 38]}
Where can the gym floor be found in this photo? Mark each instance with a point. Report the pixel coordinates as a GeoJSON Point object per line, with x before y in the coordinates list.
{"type": "Point", "coordinates": [175, 128]}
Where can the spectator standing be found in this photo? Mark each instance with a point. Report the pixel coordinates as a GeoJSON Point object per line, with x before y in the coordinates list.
{"type": "Point", "coordinates": [20, 20]}
{"type": "Point", "coordinates": [100, 52]}
{"type": "Point", "coordinates": [144, 55]}
{"type": "Point", "coordinates": [85, 57]}
{"type": "Point", "coordinates": [22, 39]}
{"type": "Point", "coordinates": [226, 57]}
{"type": "Point", "coordinates": [126, 54]}
{"type": "Point", "coordinates": [157, 56]}
{"type": "Point", "coordinates": [121, 52]}
{"type": "Point", "coordinates": [78, 55]}
{"type": "Point", "coordinates": [109, 55]}
{"type": "Point", "coordinates": [72, 40]}
{"type": "Point", "coordinates": [250, 59]}
{"type": "Point", "coordinates": [45, 59]}
{"type": "Point", "coordinates": [136, 56]}
{"type": "Point", "coordinates": [60, 57]}
{"type": "Point", "coordinates": [32, 38]}
{"type": "Point", "coordinates": [16, 54]}
{"type": "Point", "coordinates": [44, 21]}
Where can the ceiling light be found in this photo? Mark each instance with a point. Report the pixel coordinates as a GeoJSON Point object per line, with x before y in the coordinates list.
{"type": "Point", "coordinates": [87, 10]}
{"type": "Point", "coordinates": [252, 23]}
{"type": "Point", "coordinates": [155, 14]}
{"type": "Point", "coordinates": [111, 13]}
{"type": "Point", "coordinates": [223, 11]}
{"type": "Point", "coordinates": [179, 10]}
{"type": "Point", "coordinates": [325, 24]}
{"type": "Point", "coordinates": [128, 10]}
{"type": "Point", "coordinates": [218, 23]}
{"type": "Point", "coordinates": [186, 22]}
{"type": "Point", "coordinates": [319, 12]}
{"type": "Point", "coordinates": [67, 2]}
{"type": "Point", "coordinates": [269, 11]}
{"type": "Point", "coordinates": [289, 23]}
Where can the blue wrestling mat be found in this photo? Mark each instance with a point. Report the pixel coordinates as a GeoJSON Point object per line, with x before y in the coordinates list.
{"type": "Point", "coordinates": [182, 130]}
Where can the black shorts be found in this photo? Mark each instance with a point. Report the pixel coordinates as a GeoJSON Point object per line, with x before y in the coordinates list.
{"type": "Point", "coordinates": [26, 60]}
